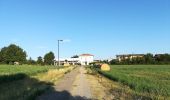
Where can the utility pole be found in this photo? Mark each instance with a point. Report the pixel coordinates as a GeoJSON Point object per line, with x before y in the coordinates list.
{"type": "Point", "coordinates": [59, 51]}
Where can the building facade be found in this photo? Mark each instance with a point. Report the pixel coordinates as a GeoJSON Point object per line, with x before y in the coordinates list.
{"type": "Point", "coordinates": [83, 59]}
{"type": "Point", "coordinates": [86, 59]}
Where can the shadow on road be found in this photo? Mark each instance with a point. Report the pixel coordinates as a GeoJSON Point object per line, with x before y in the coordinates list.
{"type": "Point", "coordinates": [63, 95]}
{"type": "Point", "coordinates": [23, 87]}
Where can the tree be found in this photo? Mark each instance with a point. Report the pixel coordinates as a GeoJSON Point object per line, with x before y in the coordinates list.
{"type": "Point", "coordinates": [113, 61]}
{"type": "Point", "coordinates": [40, 60]}
{"type": "Point", "coordinates": [31, 61]}
{"type": "Point", "coordinates": [75, 56]}
{"type": "Point", "coordinates": [49, 58]}
{"type": "Point", "coordinates": [148, 58]}
{"type": "Point", "coordinates": [12, 53]}
{"type": "Point", "coordinates": [1, 57]}
{"type": "Point", "coordinates": [162, 58]}
{"type": "Point", "coordinates": [105, 61]}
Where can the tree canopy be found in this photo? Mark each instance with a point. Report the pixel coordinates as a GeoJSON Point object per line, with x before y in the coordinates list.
{"type": "Point", "coordinates": [49, 58]}
{"type": "Point", "coordinates": [40, 60]}
{"type": "Point", "coordinates": [11, 54]}
{"type": "Point", "coordinates": [75, 56]}
{"type": "Point", "coordinates": [146, 59]}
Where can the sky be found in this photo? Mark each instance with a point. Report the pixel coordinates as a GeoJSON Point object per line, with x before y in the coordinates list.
{"type": "Point", "coordinates": [103, 28]}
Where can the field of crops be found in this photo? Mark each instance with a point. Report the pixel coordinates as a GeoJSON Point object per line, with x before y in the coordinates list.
{"type": "Point", "coordinates": [152, 80]}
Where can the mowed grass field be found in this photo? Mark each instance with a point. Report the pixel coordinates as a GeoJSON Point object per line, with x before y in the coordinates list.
{"type": "Point", "coordinates": [26, 82]}
{"type": "Point", "coordinates": [150, 80]}
{"type": "Point", "coordinates": [15, 72]}
{"type": "Point", "coordinates": [27, 69]}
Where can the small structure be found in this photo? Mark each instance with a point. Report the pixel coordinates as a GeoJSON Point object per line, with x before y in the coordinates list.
{"type": "Point", "coordinates": [105, 67]}
{"type": "Point", "coordinates": [16, 63]}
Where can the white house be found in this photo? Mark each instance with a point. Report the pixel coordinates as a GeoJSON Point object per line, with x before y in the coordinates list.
{"type": "Point", "coordinates": [83, 59]}
{"type": "Point", "coordinates": [86, 59]}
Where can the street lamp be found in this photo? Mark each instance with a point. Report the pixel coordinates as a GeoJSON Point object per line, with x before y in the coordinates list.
{"type": "Point", "coordinates": [59, 51]}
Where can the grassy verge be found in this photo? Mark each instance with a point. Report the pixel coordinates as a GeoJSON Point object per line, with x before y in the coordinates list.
{"type": "Point", "coordinates": [10, 73]}
{"type": "Point", "coordinates": [36, 80]}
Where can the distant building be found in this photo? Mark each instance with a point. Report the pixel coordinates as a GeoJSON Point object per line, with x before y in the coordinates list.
{"type": "Point", "coordinates": [71, 61]}
{"type": "Point", "coordinates": [128, 56]}
{"type": "Point", "coordinates": [86, 59]}
{"type": "Point", "coordinates": [83, 59]}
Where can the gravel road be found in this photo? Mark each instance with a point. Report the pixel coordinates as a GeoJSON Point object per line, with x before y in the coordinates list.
{"type": "Point", "coordinates": [73, 86]}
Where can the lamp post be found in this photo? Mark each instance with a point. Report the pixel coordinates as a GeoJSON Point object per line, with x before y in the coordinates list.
{"type": "Point", "coordinates": [59, 51]}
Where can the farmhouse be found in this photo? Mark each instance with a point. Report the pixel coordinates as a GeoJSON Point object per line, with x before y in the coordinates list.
{"type": "Point", "coordinates": [86, 59]}
{"type": "Point", "coordinates": [83, 59]}
{"type": "Point", "coordinates": [128, 56]}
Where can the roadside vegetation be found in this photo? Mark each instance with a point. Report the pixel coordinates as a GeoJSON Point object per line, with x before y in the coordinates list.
{"type": "Point", "coordinates": [25, 79]}
{"type": "Point", "coordinates": [10, 73]}
{"type": "Point", "coordinates": [26, 82]}
{"type": "Point", "coordinates": [147, 59]}
{"type": "Point", "coordinates": [14, 54]}
{"type": "Point", "coordinates": [148, 80]}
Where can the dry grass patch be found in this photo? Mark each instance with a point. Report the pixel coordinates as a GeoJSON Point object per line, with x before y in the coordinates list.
{"type": "Point", "coordinates": [54, 74]}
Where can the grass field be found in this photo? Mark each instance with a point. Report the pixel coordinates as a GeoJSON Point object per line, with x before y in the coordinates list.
{"type": "Point", "coordinates": [151, 80]}
{"type": "Point", "coordinates": [27, 69]}
{"type": "Point", "coordinates": [13, 72]}
{"type": "Point", "coordinates": [24, 82]}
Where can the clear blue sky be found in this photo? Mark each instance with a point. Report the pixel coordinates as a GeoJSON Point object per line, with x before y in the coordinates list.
{"type": "Point", "coordinates": [100, 27]}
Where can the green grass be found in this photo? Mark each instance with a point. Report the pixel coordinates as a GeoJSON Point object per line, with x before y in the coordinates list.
{"type": "Point", "coordinates": [27, 69]}
{"type": "Point", "coordinates": [152, 80]}
{"type": "Point", "coordinates": [10, 73]}
{"type": "Point", "coordinates": [17, 82]}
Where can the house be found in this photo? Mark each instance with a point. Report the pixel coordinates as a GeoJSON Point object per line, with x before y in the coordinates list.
{"type": "Point", "coordinates": [128, 56]}
{"type": "Point", "coordinates": [86, 59]}
{"type": "Point", "coordinates": [83, 59]}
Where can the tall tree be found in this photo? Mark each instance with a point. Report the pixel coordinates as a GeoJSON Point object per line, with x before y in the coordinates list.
{"type": "Point", "coordinates": [49, 58]}
{"type": "Point", "coordinates": [1, 57]}
{"type": "Point", "coordinates": [13, 53]}
{"type": "Point", "coordinates": [75, 56]}
{"type": "Point", "coordinates": [31, 61]}
{"type": "Point", "coordinates": [148, 58]}
{"type": "Point", "coordinates": [40, 60]}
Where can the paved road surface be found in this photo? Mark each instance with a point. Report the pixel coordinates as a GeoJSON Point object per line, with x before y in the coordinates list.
{"type": "Point", "coordinates": [73, 86]}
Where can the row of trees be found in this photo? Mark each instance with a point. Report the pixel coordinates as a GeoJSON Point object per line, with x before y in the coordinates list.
{"type": "Point", "coordinates": [13, 53]}
{"type": "Point", "coordinates": [47, 60]}
{"type": "Point", "coordinates": [146, 59]}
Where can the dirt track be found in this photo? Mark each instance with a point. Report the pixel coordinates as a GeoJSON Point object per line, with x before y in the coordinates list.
{"type": "Point", "coordinates": [77, 85]}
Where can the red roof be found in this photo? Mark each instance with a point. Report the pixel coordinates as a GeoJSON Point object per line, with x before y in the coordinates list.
{"type": "Point", "coordinates": [86, 55]}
